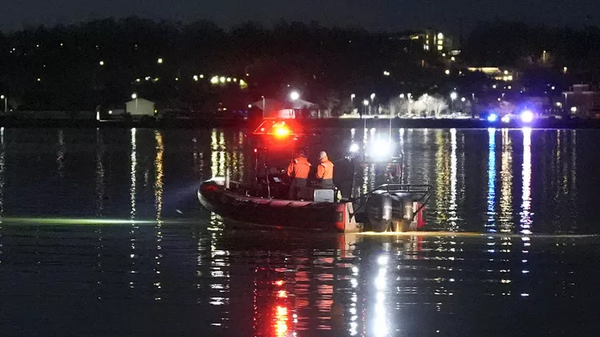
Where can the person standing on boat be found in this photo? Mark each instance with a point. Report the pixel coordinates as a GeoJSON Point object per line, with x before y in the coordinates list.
{"type": "Point", "coordinates": [325, 171]}
{"type": "Point", "coordinates": [298, 171]}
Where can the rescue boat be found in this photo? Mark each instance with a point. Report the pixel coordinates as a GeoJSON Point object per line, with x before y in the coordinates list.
{"type": "Point", "coordinates": [392, 206]}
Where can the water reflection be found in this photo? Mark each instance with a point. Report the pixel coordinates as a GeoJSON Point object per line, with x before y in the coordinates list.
{"type": "Point", "coordinates": [380, 316]}
{"type": "Point", "coordinates": [132, 197]}
{"type": "Point", "coordinates": [526, 220]}
{"type": "Point", "coordinates": [491, 195]}
{"type": "Point", "coordinates": [99, 173]}
{"type": "Point", "coordinates": [2, 175]}
{"type": "Point", "coordinates": [199, 277]}
{"type": "Point", "coordinates": [506, 183]}
{"type": "Point", "coordinates": [379, 284]}
{"type": "Point", "coordinates": [2, 180]}
{"type": "Point", "coordinates": [453, 218]}
{"type": "Point", "coordinates": [158, 197]}
{"type": "Point", "coordinates": [60, 154]}
{"type": "Point", "coordinates": [133, 172]}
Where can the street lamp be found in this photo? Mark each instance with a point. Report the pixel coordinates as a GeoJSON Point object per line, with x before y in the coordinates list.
{"type": "Point", "coordinates": [365, 105]}
{"type": "Point", "coordinates": [5, 103]}
{"type": "Point", "coordinates": [453, 96]}
{"type": "Point", "coordinates": [372, 101]}
{"type": "Point", "coordinates": [294, 95]}
{"type": "Point", "coordinates": [409, 95]}
{"type": "Point", "coordinates": [135, 96]}
{"type": "Point", "coordinates": [402, 96]}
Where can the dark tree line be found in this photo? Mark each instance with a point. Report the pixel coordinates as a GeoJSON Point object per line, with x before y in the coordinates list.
{"type": "Point", "coordinates": [521, 45]}
{"type": "Point", "coordinates": [103, 62]}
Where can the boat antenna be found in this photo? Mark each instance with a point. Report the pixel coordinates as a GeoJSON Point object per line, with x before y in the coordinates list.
{"type": "Point", "coordinates": [267, 173]}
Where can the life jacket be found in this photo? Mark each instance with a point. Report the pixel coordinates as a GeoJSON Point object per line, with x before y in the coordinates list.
{"type": "Point", "coordinates": [299, 168]}
{"type": "Point", "coordinates": [325, 169]}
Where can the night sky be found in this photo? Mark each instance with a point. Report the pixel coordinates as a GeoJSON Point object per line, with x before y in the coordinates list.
{"type": "Point", "coordinates": [371, 14]}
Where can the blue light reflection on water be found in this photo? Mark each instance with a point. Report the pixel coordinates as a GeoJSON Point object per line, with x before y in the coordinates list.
{"type": "Point", "coordinates": [491, 195]}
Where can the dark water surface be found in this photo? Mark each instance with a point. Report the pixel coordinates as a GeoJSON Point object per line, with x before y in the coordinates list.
{"type": "Point", "coordinates": [101, 235]}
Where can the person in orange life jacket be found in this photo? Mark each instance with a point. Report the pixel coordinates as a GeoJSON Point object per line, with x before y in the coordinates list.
{"type": "Point", "coordinates": [298, 171]}
{"type": "Point", "coordinates": [325, 171]}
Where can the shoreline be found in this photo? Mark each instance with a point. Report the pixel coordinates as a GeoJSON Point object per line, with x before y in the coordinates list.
{"type": "Point", "coordinates": [311, 123]}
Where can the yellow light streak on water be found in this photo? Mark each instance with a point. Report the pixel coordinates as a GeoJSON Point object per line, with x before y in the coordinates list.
{"type": "Point", "coordinates": [477, 235]}
{"type": "Point", "coordinates": [86, 222]}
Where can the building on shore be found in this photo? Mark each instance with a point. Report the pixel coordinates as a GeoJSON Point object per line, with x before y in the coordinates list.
{"type": "Point", "coordinates": [582, 101]}
{"type": "Point", "coordinates": [433, 40]}
{"type": "Point", "coordinates": [496, 73]}
{"type": "Point", "coordinates": [272, 108]}
{"type": "Point", "coordinates": [139, 107]}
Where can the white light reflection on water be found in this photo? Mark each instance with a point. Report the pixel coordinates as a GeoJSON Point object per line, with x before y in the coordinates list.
{"type": "Point", "coordinates": [218, 274]}
{"type": "Point", "coordinates": [381, 320]}
{"type": "Point", "coordinates": [506, 217]}
{"type": "Point", "coordinates": [506, 180]}
{"type": "Point", "coordinates": [452, 209]}
{"type": "Point", "coordinates": [526, 215]}
{"type": "Point", "coordinates": [133, 173]}
{"type": "Point", "coordinates": [158, 202]}
{"type": "Point", "coordinates": [132, 191]}
{"type": "Point", "coordinates": [353, 325]}
{"type": "Point", "coordinates": [218, 153]}
{"type": "Point", "coordinates": [491, 195]}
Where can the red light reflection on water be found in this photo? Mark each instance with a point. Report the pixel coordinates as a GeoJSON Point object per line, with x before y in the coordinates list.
{"type": "Point", "coordinates": [281, 321]}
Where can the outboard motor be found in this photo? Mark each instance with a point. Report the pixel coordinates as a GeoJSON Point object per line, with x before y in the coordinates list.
{"type": "Point", "coordinates": [403, 216]}
{"type": "Point", "coordinates": [380, 212]}
{"type": "Point", "coordinates": [390, 212]}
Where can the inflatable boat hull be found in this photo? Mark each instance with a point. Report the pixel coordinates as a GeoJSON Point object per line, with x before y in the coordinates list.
{"type": "Point", "coordinates": [326, 216]}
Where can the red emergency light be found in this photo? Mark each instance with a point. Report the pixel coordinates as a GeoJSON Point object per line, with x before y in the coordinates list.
{"type": "Point", "coordinates": [281, 129]}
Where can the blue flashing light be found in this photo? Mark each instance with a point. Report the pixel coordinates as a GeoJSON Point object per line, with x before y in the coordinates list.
{"type": "Point", "coordinates": [492, 117]}
{"type": "Point", "coordinates": [527, 116]}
